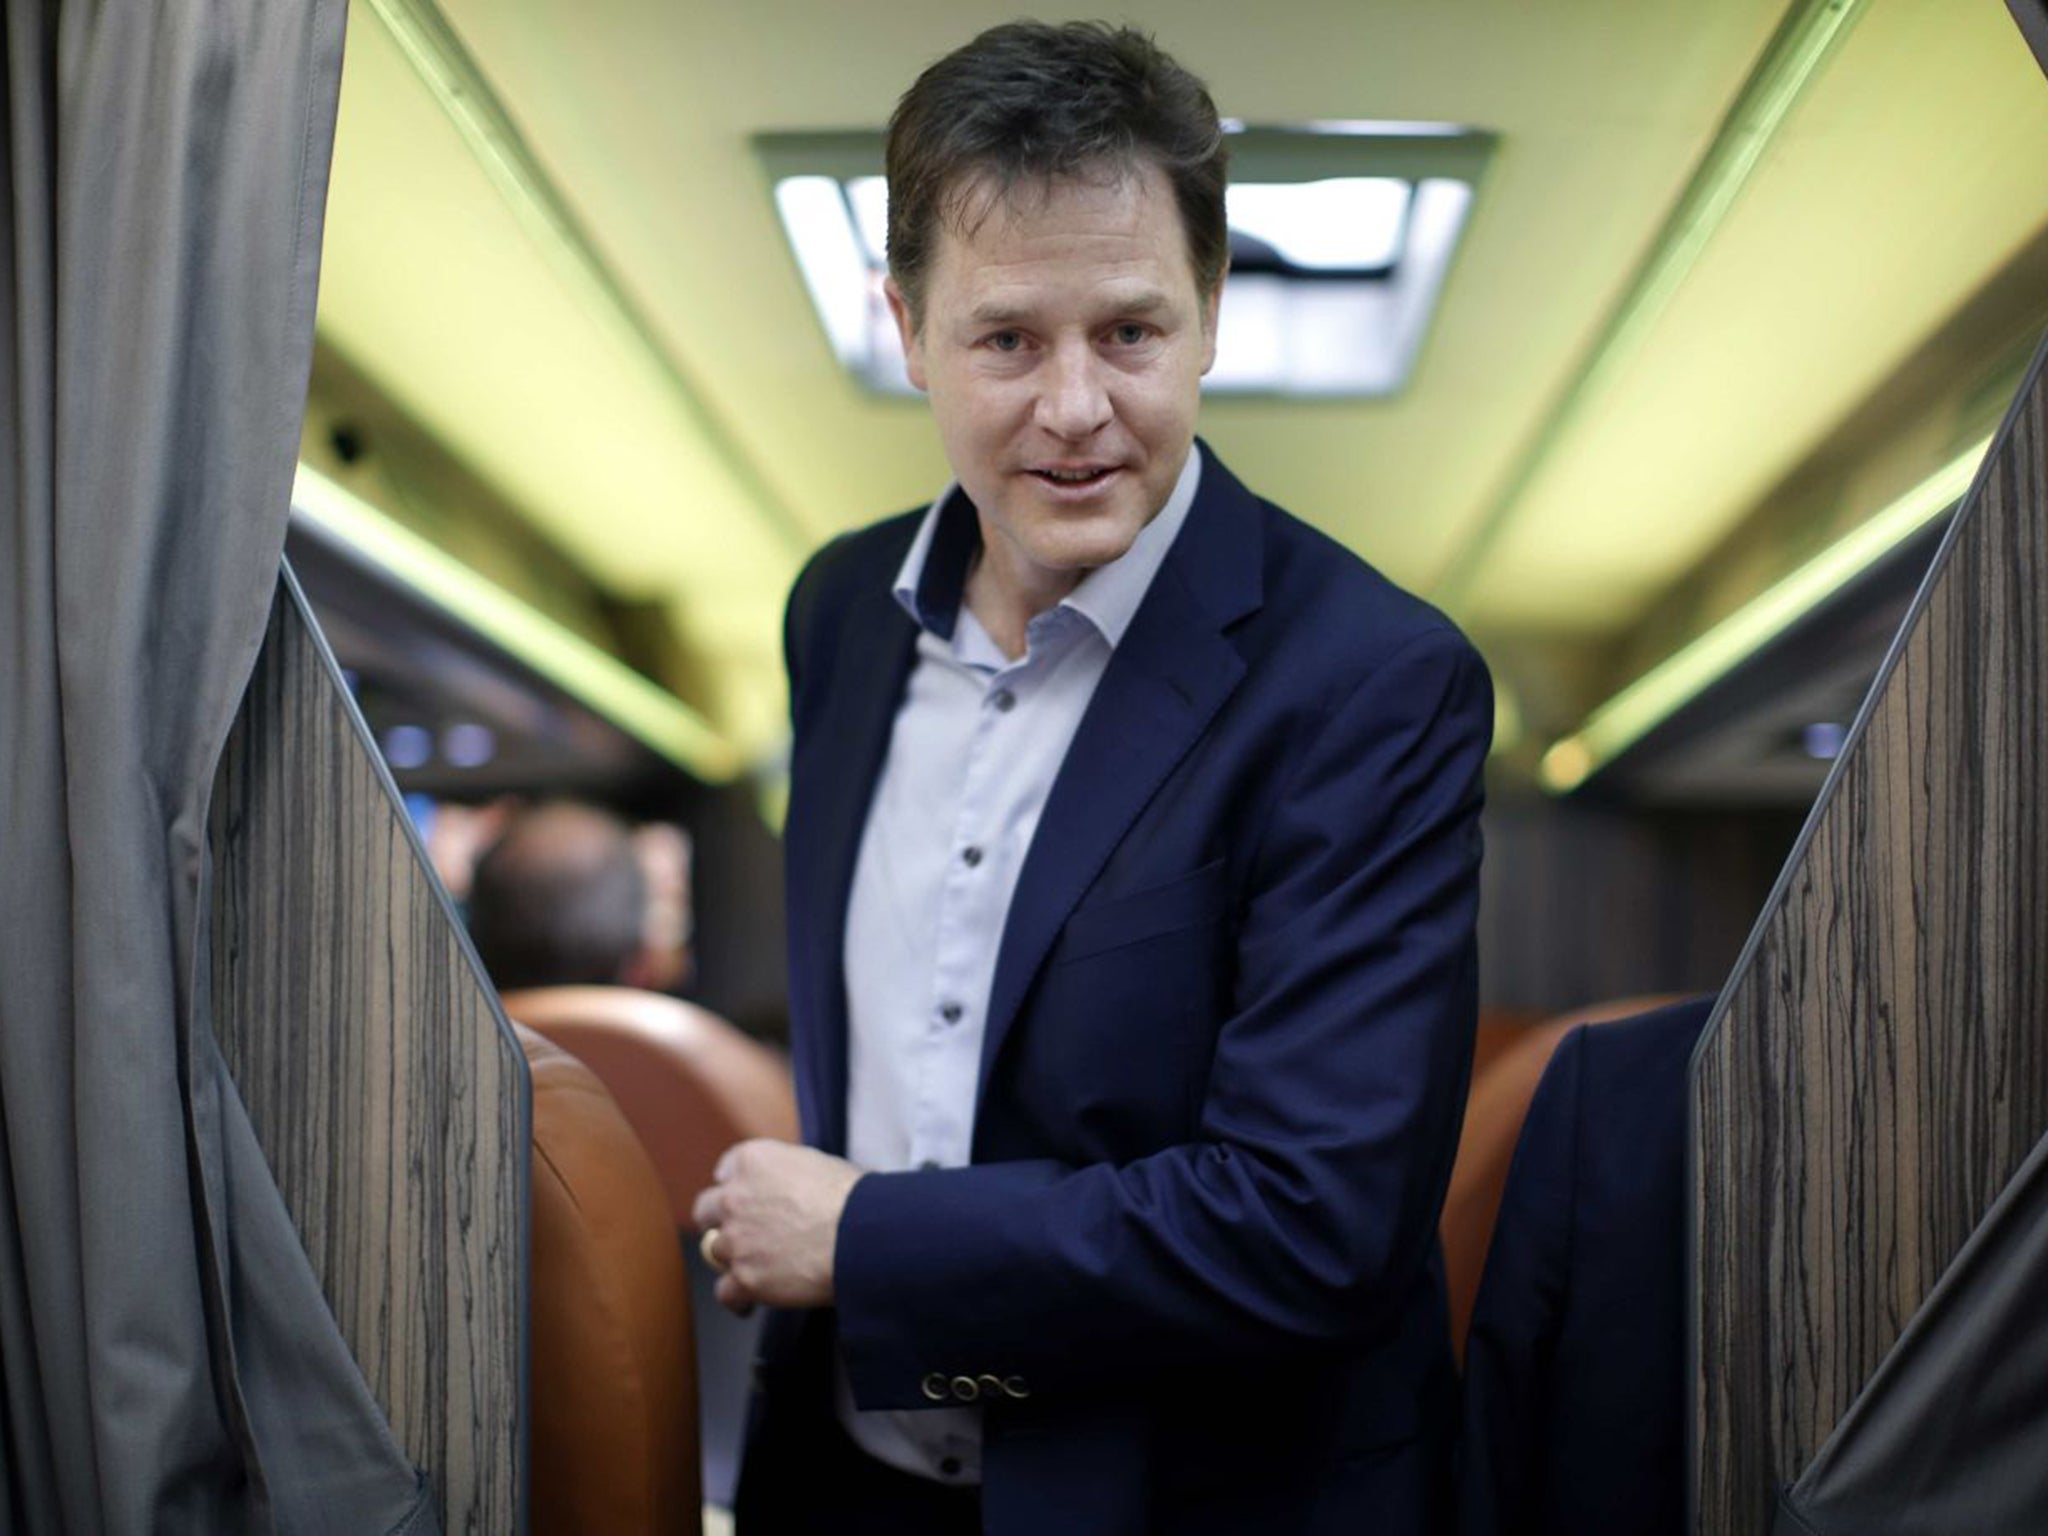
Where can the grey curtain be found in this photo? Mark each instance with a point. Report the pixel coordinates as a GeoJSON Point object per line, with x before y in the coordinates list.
{"type": "Point", "coordinates": [167, 1364]}
{"type": "Point", "coordinates": [1951, 1434]}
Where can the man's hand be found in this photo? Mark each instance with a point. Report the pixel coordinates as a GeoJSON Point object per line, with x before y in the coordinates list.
{"type": "Point", "coordinates": [775, 1209]}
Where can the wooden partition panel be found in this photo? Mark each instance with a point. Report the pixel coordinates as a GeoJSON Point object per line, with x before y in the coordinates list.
{"type": "Point", "coordinates": [388, 1094]}
{"type": "Point", "coordinates": [1878, 1066]}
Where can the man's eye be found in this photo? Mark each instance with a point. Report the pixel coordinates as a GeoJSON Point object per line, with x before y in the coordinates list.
{"type": "Point", "coordinates": [1006, 341]}
{"type": "Point", "coordinates": [1130, 333]}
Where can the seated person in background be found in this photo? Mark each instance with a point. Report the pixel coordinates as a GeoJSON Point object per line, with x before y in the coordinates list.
{"type": "Point", "coordinates": [664, 849]}
{"type": "Point", "coordinates": [456, 836]}
{"type": "Point", "coordinates": [1575, 1363]}
{"type": "Point", "coordinates": [560, 899]}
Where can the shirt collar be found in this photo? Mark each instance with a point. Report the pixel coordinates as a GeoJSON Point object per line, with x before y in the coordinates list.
{"type": "Point", "coordinates": [933, 575]}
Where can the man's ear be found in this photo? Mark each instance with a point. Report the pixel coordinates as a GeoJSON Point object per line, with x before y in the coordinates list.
{"type": "Point", "coordinates": [1210, 309]}
{"type": "Point", "coordinates": [906, 327]}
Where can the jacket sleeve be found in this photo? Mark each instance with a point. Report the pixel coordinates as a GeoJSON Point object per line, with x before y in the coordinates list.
{"type": "Point", "coordinates": [800, 616]}
{"type": "Point", "coordinates": [1519, 1310]}
{"type": "Point", "coordinates": [1305, 1211]}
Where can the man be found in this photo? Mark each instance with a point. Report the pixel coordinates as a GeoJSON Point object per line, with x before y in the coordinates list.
{"type": "Point", "coordinates": [1132, 860]}
{"type": "Point", "coordinates": [1575, 1364]}
{"type": "Point", "coordinates": [560, 899]}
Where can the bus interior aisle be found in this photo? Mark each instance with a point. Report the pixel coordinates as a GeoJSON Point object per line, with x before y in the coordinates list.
{"type": "Point", "coordinates": [406, 766]}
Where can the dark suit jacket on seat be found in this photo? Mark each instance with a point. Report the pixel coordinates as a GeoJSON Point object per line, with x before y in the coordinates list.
{"type": "Point", "coordinates": [1226, 1051]}
{"type": "Point", "coordinates": [1574, 1367]}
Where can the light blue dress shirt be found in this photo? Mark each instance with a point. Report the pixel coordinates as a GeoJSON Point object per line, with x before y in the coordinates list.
{"type": "Point", "coordinates": [977, 742]}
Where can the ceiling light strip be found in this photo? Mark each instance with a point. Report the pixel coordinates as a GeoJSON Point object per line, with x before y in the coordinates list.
{"type": "Point", "coordinates": [1683, 676]}
{"type": "Point", "coordinates": [634, 703]}
{"type": "Point", "coordinates": [1789, 64]}
{"type": "Point", "coordinates": [465, 96]}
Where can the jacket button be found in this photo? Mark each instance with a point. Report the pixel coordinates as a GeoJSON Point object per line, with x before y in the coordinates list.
{"type": "Point", "coordinates": [965, 1389]}
{"type": "Point", "coordinates": [934, 1386]}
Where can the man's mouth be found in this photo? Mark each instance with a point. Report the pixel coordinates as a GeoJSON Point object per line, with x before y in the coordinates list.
{"type": "Point", "coordinates": [1078, 475]}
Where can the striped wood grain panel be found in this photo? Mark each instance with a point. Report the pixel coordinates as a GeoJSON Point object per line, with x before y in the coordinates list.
{"type": "Point", "coordinates": [389, 1096]}
{"type": "Point", "coordinates": [1879, 1066]}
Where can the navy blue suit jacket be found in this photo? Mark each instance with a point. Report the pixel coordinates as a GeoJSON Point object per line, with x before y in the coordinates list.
{"type": "Point", "coordinates": [1575, 1362]}
{"type": "Point", "coordinates": [1225, 1057]}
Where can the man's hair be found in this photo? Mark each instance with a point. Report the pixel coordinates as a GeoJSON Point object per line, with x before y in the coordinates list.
{"type": "Point", "coordinates": [1028, 104]}
{"type": "Point", "coordinates": [559, 900]}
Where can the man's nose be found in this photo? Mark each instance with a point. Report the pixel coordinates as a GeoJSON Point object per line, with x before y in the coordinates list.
{"type": "Point", "coordinates": [1075, 401]}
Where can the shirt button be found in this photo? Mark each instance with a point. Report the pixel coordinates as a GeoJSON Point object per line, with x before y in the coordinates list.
{"type": "Point", "coordinates": [970, 857]}
{"type": "Point", "coordinates": [929, 1165]}
{"type": "Point", "coordinates": [951, 1013]}
{"type": "Point", "coordinates": [1004, 700]}
{"type": "Point", "coordinates": [950, 1466]}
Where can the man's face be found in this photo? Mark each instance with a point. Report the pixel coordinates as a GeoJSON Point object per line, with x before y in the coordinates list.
{"type": "Point", "coordinates": [1063, 347]}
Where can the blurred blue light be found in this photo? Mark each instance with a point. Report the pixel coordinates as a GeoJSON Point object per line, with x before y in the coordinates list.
{"type": "Point", "coordinates": [1823, 739]}
{"type": "Point", "coordinates": [469, 745]}
{"type": "Point", "coordinates": [421, 809]}
{"type": "Point", "coordinates": [408, 746]}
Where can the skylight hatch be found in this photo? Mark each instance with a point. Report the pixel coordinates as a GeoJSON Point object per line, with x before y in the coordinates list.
{"type": "Point", "coordinates": [1333, 280]}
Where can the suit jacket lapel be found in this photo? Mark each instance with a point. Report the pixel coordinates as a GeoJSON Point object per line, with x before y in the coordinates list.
{"type": "Point", "coordinates": [1169, 676]}
{"type": "Point", "coordinates": [856, 716]}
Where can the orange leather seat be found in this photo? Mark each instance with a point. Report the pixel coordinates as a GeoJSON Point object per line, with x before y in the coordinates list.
{"type": "Point", "coordinates": [689, 1083]}
{"type": "Point", "coordinates": [614, 1385]}
{"type": "Point", "coordinates": [1508, 1064]}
